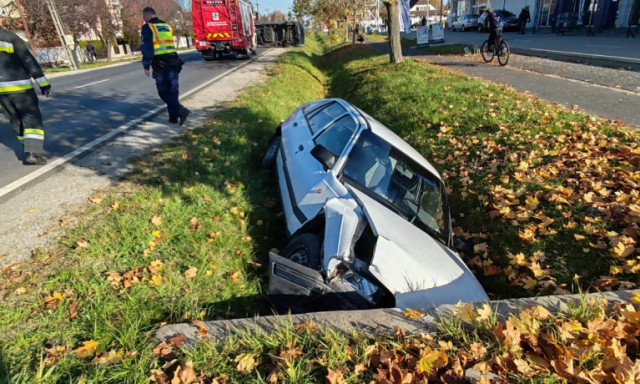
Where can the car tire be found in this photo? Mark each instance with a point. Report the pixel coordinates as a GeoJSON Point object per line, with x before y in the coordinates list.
{"type": "Point", "coordinates": [304, 249]}
{"type": "Point", "coordinates": [271, 152]}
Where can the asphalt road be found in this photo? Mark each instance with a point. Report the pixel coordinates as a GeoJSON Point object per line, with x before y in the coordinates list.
{"type": "Point", "coordinates": [87, 105]}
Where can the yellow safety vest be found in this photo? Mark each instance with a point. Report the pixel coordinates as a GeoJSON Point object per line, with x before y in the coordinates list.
{"type": "Point", "coordinates": [162, 39]}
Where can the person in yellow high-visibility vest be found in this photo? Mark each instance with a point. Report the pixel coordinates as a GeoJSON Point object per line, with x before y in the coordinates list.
{"type": "Point", "coordinates": [17, 97]}
{"type": "Point", "coordinates": [159, 53]}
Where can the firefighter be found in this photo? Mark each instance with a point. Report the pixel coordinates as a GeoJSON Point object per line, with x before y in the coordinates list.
{"type": "Point", "coordinates": [159, 53]}
{"type": "Point", "coordinates": [17, 96]}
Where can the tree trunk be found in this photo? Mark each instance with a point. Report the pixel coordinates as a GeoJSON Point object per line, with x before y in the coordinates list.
{"type": "Point", "coordinates": [395, 46]}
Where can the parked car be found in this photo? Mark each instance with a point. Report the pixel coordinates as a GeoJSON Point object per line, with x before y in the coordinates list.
{"type": "Point", "coordinates": [509, 20]}
{"type": "Point", "coordinates": [367, 217]}
{"type": "Point", "coordinates": [465, 23]}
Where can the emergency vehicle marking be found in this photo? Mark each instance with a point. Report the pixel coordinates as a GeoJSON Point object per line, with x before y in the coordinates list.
{"type": "Point", "coordinates": [218, 34]}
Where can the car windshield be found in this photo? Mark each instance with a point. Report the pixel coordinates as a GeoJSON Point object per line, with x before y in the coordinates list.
{"type": "Point", "coordinates": [380, 170]}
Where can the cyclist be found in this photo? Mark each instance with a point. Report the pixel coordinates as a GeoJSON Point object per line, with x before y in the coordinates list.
{"type": "Point", "coordinates": [495, 26]}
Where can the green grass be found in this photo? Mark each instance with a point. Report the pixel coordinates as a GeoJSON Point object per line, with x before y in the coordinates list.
{"type": "Point", "coordinates": [190, 230]}
{"type": "Point", "coordinates": [187, 235]}
{"type": "Point", "coordinates": [476, 133]}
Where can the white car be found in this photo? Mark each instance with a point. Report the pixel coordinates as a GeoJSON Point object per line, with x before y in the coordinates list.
{"type": "Point", "coordinates": [367, 216]}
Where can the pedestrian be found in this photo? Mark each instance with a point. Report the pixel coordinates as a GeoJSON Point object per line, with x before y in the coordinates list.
{"type": "Point", "coordinates": [423, 21]}
{"type": "Point", "coordinates": [17, 96]}
{"type": "Point", "coordinates": [91, 50]}
{"type": "Point", "coordinates": [524, 18]}
{"type": "Point", "coordinates": [159, 53]}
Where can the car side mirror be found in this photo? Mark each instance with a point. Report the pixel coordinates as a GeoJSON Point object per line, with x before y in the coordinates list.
{"type": "Point", "coordinates": [324, 156]}
{"type": "Point", "coordinates": [462, 244]}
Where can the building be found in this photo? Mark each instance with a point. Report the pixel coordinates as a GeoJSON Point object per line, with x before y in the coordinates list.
{"type": "Point", "coordinates": [421, 9]}
{"type": "Point", "coordinates": [600, 14]}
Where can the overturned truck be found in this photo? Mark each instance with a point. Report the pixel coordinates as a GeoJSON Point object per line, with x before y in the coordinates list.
{"type": "Point", "coordinates": [288, 33]}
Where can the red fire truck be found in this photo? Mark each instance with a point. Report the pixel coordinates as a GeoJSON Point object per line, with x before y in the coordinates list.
{"type": "Point", "coordinates": [223, 26]}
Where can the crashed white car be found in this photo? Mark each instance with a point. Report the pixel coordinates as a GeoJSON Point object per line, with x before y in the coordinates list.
{"type": "Point", "coordinates": [367, 216]}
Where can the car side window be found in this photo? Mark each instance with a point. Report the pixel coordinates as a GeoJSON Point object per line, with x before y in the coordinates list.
{"type": "Point", "coordinates": [320, 118]}
{"type": "Point", "coordinates": [336, 137]}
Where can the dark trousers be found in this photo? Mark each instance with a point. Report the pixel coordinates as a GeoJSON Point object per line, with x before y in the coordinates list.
{"type": "Point", "coordinates": [168, 90]}
{"type": "Point", "coordinates": [523, 25]}
{"type": "Point", "coordinates": [24, 114]}
{"type": "Point", "coordinates": [494, 35]}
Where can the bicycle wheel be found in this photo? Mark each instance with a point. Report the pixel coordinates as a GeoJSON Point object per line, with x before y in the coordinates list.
{"type": "Point", "coordinates": [503, 53]}
{"type": "Point", "coordinates": [487, 54]}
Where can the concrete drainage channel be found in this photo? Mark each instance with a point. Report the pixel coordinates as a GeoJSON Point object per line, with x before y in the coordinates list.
{"type": "Point", "coordinates": [376, 321]}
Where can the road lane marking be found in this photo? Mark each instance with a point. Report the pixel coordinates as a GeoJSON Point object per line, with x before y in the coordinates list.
{"type": "Point", "coordinates": [94, 83]}
{"type": "Point", "coordinates": [62, 160]}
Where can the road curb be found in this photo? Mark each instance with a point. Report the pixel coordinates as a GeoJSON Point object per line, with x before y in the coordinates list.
{"type": "Point", "coordinates": [377, 321]}
{"type": "Point", "coordinates": [16, 185]}
{"type": "Point", "coordinates": [583, 58]}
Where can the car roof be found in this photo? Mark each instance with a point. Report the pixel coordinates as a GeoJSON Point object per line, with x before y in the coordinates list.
{"type": "Point", "coordinates": [389, 136]}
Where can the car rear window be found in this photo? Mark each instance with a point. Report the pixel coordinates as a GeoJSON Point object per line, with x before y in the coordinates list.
{"type": "Point", "coordinates": [320, 118]}
{"type": "Point", "coordinates": [336, 137]}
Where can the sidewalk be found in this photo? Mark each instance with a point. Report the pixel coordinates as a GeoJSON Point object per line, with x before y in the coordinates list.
{"type": "Point", "coordinates": [602, 50]}
{"type": "Point", "coordinates": [604, 101]}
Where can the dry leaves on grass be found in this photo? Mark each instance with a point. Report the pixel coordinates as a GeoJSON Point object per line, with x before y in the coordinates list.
{"type": "Point", "coordinates": [87, 349]}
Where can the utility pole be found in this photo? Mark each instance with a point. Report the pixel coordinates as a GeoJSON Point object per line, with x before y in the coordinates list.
{"type": "Point", "coordinates": [32, 47]}
{"type": "Point", "coordinates": [61, 33]}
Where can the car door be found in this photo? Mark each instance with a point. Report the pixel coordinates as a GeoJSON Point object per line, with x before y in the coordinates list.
{"type": "Point", "coordinates": [333, 127]}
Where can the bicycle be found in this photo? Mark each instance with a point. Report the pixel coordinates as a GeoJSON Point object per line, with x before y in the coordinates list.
{"type": "Point", "coordinates": [500, 48]}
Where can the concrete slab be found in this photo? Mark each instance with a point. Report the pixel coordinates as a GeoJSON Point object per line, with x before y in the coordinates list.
{"type": "Point", "coordinates": [376, 321]}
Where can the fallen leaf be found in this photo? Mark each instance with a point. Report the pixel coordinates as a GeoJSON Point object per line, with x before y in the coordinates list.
{"type": "Point", "coordinates": [156, 220]}
{"type": "Point", "coordinates": [73, 307]}
{"type": "Point", "coordinates": [96, 199]}
{"type": "Point", "coordinates": [413, 314]}
{"type": "Point", "coordinates": [184, 374]}
{"type": "Point", "coordinates": [203, 330]}
{"type": "Point", "coordinates": [88, 349]}
{"type": "Point", "coordinates": [178, 340]}
{"type": "Point", "coordinates": [163, 351]}
{"type": "Point", "coordinates": [82, 243]}
{"type": "Point", "coordinates": [235, 276]}
{"type": "Point", "coordinates": [245, 362]}
{"type": "Point", "coordinates": [335, 377]}
{"type": "Point", "coordinates": [191, 273]}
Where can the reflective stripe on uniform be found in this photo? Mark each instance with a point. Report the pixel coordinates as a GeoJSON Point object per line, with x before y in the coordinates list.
{"type": "Point", "coordinates": [6, 47]}
{"type": "Point", "coordinates": [21, 138]}
{"type": "Point", "coordinates": [163, 42]}
{"type": "Point", "coordinates": [15, 86]}
{"type": "Point", "coordinates": [42, 81]}
{"type": "Point", "coordinates": [33, 133]}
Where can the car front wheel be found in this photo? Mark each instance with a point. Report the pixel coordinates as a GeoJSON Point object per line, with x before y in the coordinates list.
{"type": "Point", "coordinates": [304, 249]}
{"type": "Point", "coordinates": [270, 154]}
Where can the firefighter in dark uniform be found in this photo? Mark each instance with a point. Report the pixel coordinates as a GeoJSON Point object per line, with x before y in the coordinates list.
{"type": "Point", "coordinates": [17, 97]}
{"type": "Point", "coordinates": [159, 53]}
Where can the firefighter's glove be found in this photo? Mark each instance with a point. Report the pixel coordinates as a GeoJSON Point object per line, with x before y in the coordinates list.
{"type": "Point", "coordinates": [46, 90]}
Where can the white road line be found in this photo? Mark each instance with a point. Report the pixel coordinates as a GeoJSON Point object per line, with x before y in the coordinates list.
{"type": "Point", "coordinates": [94, 83]}
{"type": "Point", "coordinates": [60, 161]}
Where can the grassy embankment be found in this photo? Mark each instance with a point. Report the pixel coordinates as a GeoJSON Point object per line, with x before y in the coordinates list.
{"type": "Point", "coordinates": [546, 192]}
{"type": "Point", "coordinates": [184, 238]}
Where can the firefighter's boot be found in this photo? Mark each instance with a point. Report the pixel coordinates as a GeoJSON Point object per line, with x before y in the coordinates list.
{"type": "Point", "coordinates": [35, 159]}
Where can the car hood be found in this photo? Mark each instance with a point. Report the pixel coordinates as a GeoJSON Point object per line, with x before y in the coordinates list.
{"type": "Point", "coordinates": [417, 269]}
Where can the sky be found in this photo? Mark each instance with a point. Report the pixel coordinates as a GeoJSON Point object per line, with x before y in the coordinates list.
{"type": "Point", "coordinates": [272, 5]}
